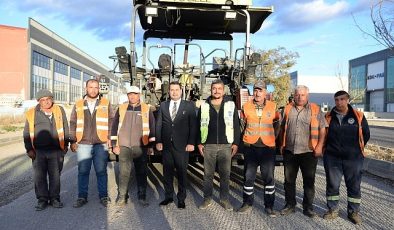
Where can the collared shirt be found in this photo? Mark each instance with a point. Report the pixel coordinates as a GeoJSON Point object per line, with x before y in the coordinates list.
{"type": "Point", "coordinates": [178, 102]}
{"type": "Point", "coordinates": [92, 105]}
{"type": "Point", "coordinates": [298, 129]}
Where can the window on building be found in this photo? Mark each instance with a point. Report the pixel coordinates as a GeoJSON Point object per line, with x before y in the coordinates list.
{"type": "Point", "coordinates": [38, 83]}
{"type": "Point", "coordinates": [41, 60]}
{"type": "Point", "coordinates": [61, 68]}
{"type": "Point", "coordinates": [357, 85]}
{"type": "Point", "coordinates": [76, 84]}
{"type": "Point", "coordinates": [390, 80]}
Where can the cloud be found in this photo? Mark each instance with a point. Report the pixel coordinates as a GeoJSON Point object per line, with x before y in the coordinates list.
{"type": "Point", "coordinates": [298, 16]}
{"type": "Point", "coordinates": [106, 19]}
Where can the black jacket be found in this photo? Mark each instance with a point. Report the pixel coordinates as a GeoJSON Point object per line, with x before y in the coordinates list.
{"type": "Point", "coordinates": [342, 139]}
{"type": "Point", "coordinates": [182, 131]}
{"type": "Point", "coordinates": [217, 127]}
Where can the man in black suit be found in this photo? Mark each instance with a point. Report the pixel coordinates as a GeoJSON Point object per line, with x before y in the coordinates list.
{"type": "Point", "coordinates": [175, 136]}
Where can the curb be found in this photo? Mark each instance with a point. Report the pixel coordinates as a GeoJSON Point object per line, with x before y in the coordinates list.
{"type": "Point", "coordinates": [383, 169]}
{"type": "Point", "coordinates": [10, 140]}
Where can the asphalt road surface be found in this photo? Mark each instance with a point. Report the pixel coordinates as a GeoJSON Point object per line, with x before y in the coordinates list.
{"type": "Point", "coordinates": [18, 200]}
{"type": "Point", "coordinates": [382, 136]}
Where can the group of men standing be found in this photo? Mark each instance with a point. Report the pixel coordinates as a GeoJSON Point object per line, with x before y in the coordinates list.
{"type": "Point", "coordinates": [303, 134]}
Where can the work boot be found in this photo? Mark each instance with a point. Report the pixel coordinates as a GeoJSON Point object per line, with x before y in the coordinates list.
{"type": "Point", "coordinates": [225, 204]}
{"type": "Point", "coordinates": [105, 201]}
{"type": "Point", "coordinates": [354, 217]}
{"type": "Point", "coordinates": [80, 202]}
{"type": "Point", "coordinates": [287, 210]}
{"type": "Point", "coordinates": [143, 202]}
{"type": "Point", "coordinates": [41, 205]}
{"type": "Point", "coordinates": [244, 208]}
{"type": "Point", "coordinates": [207, 203]}
{"type": "Point", "coordinates": [56, 203]}
{"type": "Point", "coordinates": [309, 213]}
{"type": "Point", "coordinates": [330, 214]}
{"type": "Point", "coordinates": [271, 212]}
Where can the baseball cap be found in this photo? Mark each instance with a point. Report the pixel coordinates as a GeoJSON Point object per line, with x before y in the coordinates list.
{"type": "Point", "coordinates": [132, 89]}
{"type": "Point", "coordinates": [259, 85]}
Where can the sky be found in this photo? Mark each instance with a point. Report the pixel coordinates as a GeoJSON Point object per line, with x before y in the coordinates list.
{"type": "Point", "coordinates": [323, 32]}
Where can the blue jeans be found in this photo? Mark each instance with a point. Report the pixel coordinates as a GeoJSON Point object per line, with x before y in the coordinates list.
{"type": "Point", "coordinates": [265, 158]}
{"type": "Point", "coordinates": [351, 169]}
{"type": "Point", "coordinates": [98, 154]}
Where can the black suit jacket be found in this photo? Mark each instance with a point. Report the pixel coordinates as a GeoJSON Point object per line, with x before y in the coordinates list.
{"type": "Point", "coordinates": [182, 131]}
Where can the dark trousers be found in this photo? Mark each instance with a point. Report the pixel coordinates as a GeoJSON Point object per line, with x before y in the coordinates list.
{"type": "Point", "coordinates": [48, 164]}
{"type": "Point", "coordinates": [265, 158]}
{"type": "Point", "coordinates": [175, 160]}
{"type": "Point", "coordinates": [220, 154]}
{"type": "Point", "coordinates": [128, 157]}
{"type": "Point", "coordinates": [307, 163]}
{"type": "Point", "coordinates": [335, 167]}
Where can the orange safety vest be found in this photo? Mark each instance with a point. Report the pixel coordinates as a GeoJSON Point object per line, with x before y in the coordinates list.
{"type": "Point", "coordinates": [145, 121]}
{"type": "Point", "coordinates": [259, 127]}
{"type": "Point", "coordinates": [359, 116]}
{"type": "Point", "coordinates": [58, 116]}
{"type": "Point", "coordinates": [101, 119]}
{"type": "Point", "coordinates": [314, 126]}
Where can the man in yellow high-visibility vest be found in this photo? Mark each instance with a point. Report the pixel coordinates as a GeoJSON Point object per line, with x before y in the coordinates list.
{"type": "Point", "coordinates": [46, 141]}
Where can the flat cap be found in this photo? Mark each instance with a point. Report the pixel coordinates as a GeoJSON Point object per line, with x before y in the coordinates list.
{"type": "Point", "coordinates": [43, 93]}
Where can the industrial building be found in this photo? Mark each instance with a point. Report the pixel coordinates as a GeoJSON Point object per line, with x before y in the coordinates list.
{"type": "Point", "coordinates": [371, 81]}
{"type": "Point", "coordinates": [37, 58]}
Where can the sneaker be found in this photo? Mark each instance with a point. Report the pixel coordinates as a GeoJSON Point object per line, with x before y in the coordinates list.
{"type": "Point", "coordinates": [330, 214]}
{"type": "Point", "coordinates": [105, 201]}
{"type": "Point", "coordinates": [287, 210]}
{"type": "Point", "coordinates": [309, 213]}
{"type": "Point", "coordinates": [226, 204]}
{"type": "Point", "coordinates": [143, 202]}
{"type": "Point", "coordinates": [245, 208]}
{"type": "Point", "coordinates": [41, 205]}
{"type": "Point", "coordinates": [354, 217]}
{"type": "Point", "coordinates": [80, 202]}
{"type": "Point", "coordinates": [56, 203]}
{"type": "Point", "coordinates": [271, 212]}
{"type": "Point", "coordinates": [205, 204]}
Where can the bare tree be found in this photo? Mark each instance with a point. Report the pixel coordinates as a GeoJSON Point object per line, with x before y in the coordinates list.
{"type": "Point", "coordinates": [382, 17]}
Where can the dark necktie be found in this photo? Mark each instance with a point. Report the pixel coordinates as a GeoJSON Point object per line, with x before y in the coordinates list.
{"type": "Point", "coordinates": [173, 111]}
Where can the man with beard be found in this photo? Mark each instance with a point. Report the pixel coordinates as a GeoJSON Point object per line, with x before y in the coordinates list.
{"type": "Point", "coordinates": [218, 142]}
{"type": "Point", "coordinates": [90, 124]}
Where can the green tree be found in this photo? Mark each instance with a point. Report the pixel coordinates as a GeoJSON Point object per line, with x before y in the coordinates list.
{"type": "Point", "coordinates": [275, 71]}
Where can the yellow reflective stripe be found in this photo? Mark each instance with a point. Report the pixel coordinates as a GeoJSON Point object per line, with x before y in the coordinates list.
{"type": "Point", "coordinates": [269, 186]}
{"type": "Point", "coordinates": [333, 197]}
{"type": "Point", "coordinates": [248, 187]}
{"type": "Point", "coordinates": [102, 127]}
{"type": "Point", "coordinates": [269, 192]}
{"type": "Point", "coordinates": [80, 121]}
{"type": "Point", "coordinates": [354, 200]}
{"type": "Point", "coordinates": [114, 138]}
{"type": "Point", "coordinates": [145, 125]}
{"type": "Point", "coordinates": [257, 133]}
{"type": "Point", "coordinates": [79, 129]}
{"type": "Point", "coordinates": [85, 107]}
{"type": "Point", "coordinates": [59, 131]}
{"type": "Point", "coordinates": [314, 128]}
{"type": "Point", "coordinates": [152, 139]}
{"type": "Point", "coordinates": [101, 119]}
